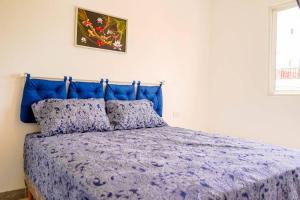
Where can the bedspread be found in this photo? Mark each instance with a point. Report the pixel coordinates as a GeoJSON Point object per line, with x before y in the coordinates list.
{"type": "Point", "coordinates": [159, 163]}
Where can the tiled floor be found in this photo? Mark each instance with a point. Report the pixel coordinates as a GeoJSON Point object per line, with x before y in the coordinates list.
{"type": "Point", "coordinates": [13, 195]}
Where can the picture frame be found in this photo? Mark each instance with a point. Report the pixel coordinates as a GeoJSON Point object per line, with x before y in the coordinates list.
{"type": "Point", "coordinates": [100, 31]}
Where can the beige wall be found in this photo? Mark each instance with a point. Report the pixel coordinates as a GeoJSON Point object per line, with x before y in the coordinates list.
{"type": "Point", "coordinates": [167, 40]}
{"type": "Point", "coordinates": [238, 72]}
{"type": "Point", "coordinates": [213, 55]}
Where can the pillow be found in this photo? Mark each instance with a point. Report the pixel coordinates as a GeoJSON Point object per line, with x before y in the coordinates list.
{"type": "Point", "coordinates": [85, 90]}
{"type": "Point", "coordinates": [119, 92]}
{"type": "Point", "coordinates": [36, 90]}
{"type": "Point", "coordinates": [133, 114]}
{"type": "Point", "coordinates": [56, 116]}
{"type": "Point", "coordinates": [152, 93]}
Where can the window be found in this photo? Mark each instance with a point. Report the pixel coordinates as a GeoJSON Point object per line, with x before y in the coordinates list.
{"type": "Point", "coordinates": [285, 49]}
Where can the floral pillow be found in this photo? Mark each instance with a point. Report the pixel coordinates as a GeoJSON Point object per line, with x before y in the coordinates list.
{"type": "Point", "coordinates": [56, 116]}
{"type": "Point", "coordinates": [133, 114]}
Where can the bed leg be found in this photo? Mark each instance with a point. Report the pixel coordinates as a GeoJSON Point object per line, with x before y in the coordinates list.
{"type": "Point", "coordinates": [29, 195]}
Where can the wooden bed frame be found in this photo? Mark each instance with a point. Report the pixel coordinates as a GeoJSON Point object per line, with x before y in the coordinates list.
{"type": "Point", "coordinates": [32, 191]}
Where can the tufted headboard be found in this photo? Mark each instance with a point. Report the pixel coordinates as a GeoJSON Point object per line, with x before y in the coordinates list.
{"type": "Point", "coordinates": [36, 90]}
{"type": "Point", "coordinates": [152, 93]}
{"type": "Point", "coordinates": [119, 92]}
{"type": "Point", "coordinates": [85, 90]}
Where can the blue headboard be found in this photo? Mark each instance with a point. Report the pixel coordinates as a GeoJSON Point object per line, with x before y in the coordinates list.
{"type": "Point", "coordinates": [36, 90]}
{"type": "Point", "coordinates": [152, 93]}
{"type": "Point", "coordinates": [85, 90]}
{"type": "Point", "coordinates": [119, 92]}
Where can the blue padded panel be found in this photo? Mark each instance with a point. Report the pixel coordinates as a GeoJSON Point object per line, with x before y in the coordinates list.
{"type": "Point", "coordinates": [85, 90]}
{"type": "Point", "coordinates": [36, 90]}
{"type": "Point", "coordinates": [152, 93]}
{"type": "Point", "coordinates": [119, 92]}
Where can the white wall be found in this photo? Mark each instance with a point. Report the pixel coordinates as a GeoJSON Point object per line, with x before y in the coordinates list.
{"type": "Point", "coordinates": [213, 55]}
{"type": "Point", "coordinates": [167, 40]}
{"type": "Point", "coordinates": [238, 72]}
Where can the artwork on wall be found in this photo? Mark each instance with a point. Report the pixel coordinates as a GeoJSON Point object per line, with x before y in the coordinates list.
{"type": "Point", "coordinates": [100, 31]}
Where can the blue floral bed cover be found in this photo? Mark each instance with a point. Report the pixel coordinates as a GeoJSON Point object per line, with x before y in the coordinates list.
{"type": "Point", "coordinates": [159, 163]}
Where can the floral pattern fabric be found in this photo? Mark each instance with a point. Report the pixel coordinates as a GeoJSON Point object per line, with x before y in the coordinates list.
{"type": "Point", "coordinates": [160, 163]}
{"type": "Point", "coordinates": [133, 114]}
{"type": "Point", "coordinates": [56, 116]}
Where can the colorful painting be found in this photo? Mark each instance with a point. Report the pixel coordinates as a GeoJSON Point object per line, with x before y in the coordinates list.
{"type": "Point", "coordinates": [100, 31]}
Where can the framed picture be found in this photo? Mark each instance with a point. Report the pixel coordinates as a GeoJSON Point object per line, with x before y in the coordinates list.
{"type": "Point", "coordinates": [97, 30]}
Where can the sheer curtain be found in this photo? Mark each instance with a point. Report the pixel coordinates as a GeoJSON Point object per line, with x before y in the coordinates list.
{"type": "Point", "coordinates": [298, 1]}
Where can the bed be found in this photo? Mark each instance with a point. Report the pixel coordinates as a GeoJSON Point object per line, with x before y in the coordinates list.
{"type": "Point", "coordinates": [113, 144]}
{"type": "Point", "coordinates": [159, 163]}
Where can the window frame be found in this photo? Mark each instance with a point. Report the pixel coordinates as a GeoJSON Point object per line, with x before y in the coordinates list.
{"type": "Point", "coordinates": [274, 9]}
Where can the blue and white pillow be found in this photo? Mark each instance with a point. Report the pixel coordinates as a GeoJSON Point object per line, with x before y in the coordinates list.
{"type": "Point", "coordinates": [133, 114]}
{"type": "Point", "coordinates": [56, 116]}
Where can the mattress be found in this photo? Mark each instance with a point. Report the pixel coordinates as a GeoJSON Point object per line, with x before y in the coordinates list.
{"type": "Point", "coordinates": [159, 163]}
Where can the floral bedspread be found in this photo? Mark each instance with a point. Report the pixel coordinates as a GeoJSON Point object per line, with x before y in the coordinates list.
{"type": "Point", "coordinates": [159, 163]}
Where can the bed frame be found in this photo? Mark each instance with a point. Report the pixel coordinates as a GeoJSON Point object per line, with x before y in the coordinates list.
{"type": "Point", "coordinates": [32, 191]}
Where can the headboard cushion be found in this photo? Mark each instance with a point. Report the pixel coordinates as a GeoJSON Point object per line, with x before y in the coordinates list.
{"type": "Point", "coordinates": [119, 92]}
{"type": "Point", "coordinates": [36, 90]}
{"type": "Point", "coordinates": [152, 93]}
{"type": "Point", "coordinates": [85, 90]}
